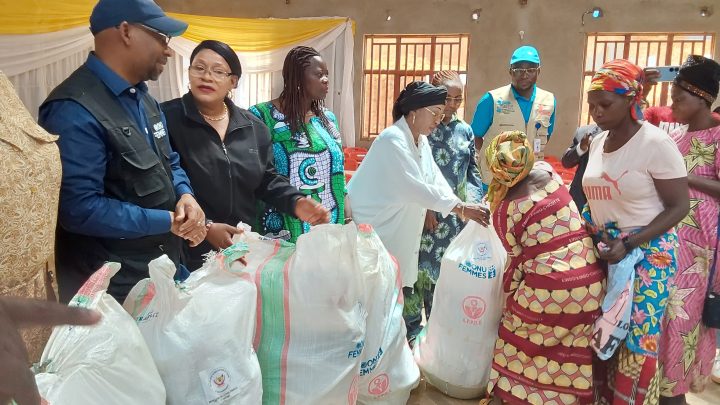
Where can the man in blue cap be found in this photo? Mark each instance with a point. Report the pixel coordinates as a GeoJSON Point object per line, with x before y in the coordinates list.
{"type": "Point", "coordinates": [520, 106]}
{"type": "Point", "coordinates": [123, 196]}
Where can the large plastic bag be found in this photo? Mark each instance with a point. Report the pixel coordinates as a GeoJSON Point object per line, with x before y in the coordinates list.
{"type": "Point", "coordinates": [455, 349]}
{"type": "Point", "coordinates": [612, 327]}
{"type": "Point", "coordinates": [108, 363]}
{"type": "Point", "coordinates": [200, 331]}
{"type": "Point", "coordinates": [311, 316]}
{"type": "Point", "coordinates": [387, 372]}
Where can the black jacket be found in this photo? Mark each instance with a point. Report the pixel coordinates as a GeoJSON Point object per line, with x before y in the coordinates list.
{"type": "Point", "coordinates": [571, 159]}
{"type": "Point", "coordinates": [227, 177]}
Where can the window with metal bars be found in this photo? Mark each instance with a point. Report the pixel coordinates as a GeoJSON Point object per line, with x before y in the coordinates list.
{"type": "Point", "coordinates": [645, 50]}
{"type": "Point", "coordinates": [392, 61]}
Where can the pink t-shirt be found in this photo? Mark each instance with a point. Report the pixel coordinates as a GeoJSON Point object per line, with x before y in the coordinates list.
{"type": "Point", "coordinates": [662, 118]}
{"type": "Point", "coordinates": [619, 185]}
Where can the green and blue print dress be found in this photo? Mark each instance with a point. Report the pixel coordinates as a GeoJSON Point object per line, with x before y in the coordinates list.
{"type": "Point", "coordinates": [313, 161]}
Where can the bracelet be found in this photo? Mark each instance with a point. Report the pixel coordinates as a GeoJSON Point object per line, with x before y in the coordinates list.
{"type": "Point", "coordinates": [462, 210]}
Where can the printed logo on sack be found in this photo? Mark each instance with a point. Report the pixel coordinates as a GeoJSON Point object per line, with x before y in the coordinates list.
{"type": "Point", "coordinates": [481, 252]}
{"type": "Point", "coordinates": [219, 380]}
{"type": "Point", "coordinates": [353, 393]}
{"type": "Point", "coordinates": [367, 367]}
{"type": "Point", "coordinates": [477, 271]}
{"type": "Point", "coordinates": [147, 316]}
{"type": "Point", "coordinates": [474, 309]}
{"type": "Point", "coordinates": [379, 385]}
{"type": "Point", "coordinates": [358, 350]}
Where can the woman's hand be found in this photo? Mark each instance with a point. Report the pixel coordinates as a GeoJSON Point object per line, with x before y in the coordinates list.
{"type": "Point", "coordinates": [651, 79]}
{"type": "Point", "coordinates": [614, 251]}
{"type": "Point", "coordinates": [431, 221]}
{"type": "Point", "coordinates": [476, 212]}
{"type": "Point", "coordinates": [220, 235]}
{"type": "Point", "coordinates": [585, 142]}
{"type": "Point", "coordinates": [310, 211]}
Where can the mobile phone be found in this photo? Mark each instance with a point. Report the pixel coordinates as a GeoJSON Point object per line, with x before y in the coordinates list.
{"type": "Point", "coordinates": [667, 73]}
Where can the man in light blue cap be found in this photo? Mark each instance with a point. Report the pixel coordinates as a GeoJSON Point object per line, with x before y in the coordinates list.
{"type": "Point", "coordinates": [123, 197]}
{"type": "Point", "coordinates": [520, 106]}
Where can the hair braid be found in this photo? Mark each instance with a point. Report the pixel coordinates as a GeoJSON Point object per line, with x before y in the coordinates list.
{"type": "Point", "coordinates": [296, 61]}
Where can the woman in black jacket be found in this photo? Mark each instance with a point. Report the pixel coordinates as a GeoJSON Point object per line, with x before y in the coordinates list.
{"type": "Point", "coordinates": [227, 152]}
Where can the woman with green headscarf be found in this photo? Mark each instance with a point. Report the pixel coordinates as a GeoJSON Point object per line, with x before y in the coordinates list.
{"type": "Point", "coordinates": [554, 283]}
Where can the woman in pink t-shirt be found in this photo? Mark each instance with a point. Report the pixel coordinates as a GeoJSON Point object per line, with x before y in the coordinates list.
{"type": "Point", "coordinates": [637, 191]}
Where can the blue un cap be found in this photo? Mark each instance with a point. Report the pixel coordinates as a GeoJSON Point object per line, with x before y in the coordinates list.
{"type": "Point", "coordinates": [525, 54]}
{"type": "Point", "coordinates": [110, 13]}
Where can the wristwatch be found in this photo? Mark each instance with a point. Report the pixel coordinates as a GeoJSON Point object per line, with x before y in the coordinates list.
{"type": "Point", "coordinates": [208, 223]}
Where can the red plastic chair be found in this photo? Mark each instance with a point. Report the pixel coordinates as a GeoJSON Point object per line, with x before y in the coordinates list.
{"type": "Point", "coordinates": [351, 163]}
{"type": "Point", "coordinates": [355, 152]}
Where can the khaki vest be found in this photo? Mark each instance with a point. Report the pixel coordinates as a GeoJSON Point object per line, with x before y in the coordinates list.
{"type": "Point", "coordinates": [507, 116]}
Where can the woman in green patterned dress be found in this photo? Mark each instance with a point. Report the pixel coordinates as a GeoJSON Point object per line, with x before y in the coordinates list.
{"type": "Point", "coordinates": [306, 142]}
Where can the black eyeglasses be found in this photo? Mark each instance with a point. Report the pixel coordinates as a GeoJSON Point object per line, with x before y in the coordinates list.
{"type": "Point", "coordinates": [522, 72]}
{"type": "Point", "coordinates": [163, 37]}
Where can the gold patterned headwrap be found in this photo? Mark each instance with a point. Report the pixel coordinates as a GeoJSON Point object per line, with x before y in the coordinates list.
{"type": "Point", "coordinates": [509, 158]}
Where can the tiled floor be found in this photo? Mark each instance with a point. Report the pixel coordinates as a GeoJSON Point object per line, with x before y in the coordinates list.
{"type": "Point", "coordinates": [425, 394]}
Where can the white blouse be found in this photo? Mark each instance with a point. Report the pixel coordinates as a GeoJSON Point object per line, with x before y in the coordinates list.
{"type": "Point", "coordinates": [397, 182]}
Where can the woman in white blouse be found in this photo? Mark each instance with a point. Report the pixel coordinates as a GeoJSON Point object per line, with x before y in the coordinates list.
{"type": "Point", "coordinates": [398, 181]}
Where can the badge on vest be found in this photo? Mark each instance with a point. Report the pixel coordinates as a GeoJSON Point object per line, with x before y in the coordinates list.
{"type": "Point", "coordinates": [543, 114]}
{"type": "Point", "coordinates": [537, 145]}
{"type": "Point", "coordinates": [159, 130]}
{"type": "Point", "coordinates": [504, 106]}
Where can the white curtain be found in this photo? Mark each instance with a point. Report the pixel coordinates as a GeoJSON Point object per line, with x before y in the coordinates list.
{"type": "Point", "coordinates": [37, 63]}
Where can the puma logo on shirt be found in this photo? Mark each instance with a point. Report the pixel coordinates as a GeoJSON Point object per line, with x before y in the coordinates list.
{"type": "Point", "coordinates": [604, 192]}
{"type": "Point", "coordinates": [609, 179]}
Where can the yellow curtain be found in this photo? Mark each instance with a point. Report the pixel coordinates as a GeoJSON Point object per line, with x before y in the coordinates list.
{"type": "Point", "coordinates": [250, 34]}
{"type": "Point", "coordinates": [20, 17]}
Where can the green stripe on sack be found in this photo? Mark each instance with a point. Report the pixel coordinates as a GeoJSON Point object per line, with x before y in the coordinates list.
{"type": "Point", "coordinates": [272, 338]}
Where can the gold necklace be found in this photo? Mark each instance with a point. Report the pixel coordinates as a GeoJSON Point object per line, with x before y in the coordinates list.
{"type": "Point", "coordinates": [218, 118]}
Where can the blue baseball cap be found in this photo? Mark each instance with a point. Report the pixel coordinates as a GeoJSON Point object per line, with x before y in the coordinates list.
{"type": "Point", "coordinates": [110, 13]}
{"type": "Point", "coordinates": [525, 54]}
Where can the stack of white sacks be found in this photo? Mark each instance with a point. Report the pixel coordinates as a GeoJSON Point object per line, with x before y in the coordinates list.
{"type": "Point", "coordinates": [318, 322]}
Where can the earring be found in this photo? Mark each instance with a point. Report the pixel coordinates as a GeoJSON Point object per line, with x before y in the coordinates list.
{"type": "Point", "coordinates": [413, 121]}
{"type": "Point", "coordinates": [231, 94]}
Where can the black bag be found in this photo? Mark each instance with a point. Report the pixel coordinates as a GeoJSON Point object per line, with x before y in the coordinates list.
{"type": "Point", "coordinates": [711, 308]}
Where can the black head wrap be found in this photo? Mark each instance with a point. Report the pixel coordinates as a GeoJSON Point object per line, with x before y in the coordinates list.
{"type": "Point", "coordinates": [700, 76]}
{"type": "Point", "coordinates": [417, 95]}
{"type": "Point", "coordinates": [223, 50]}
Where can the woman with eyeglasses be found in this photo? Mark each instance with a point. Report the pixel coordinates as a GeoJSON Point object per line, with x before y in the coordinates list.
{"type": "Point", "coordinates": [398, 181]}
{"type": "Point", "coordinates": [453, 150]}
{"type": "Point", "coordinates": [227, 152]}
{"type": "Point", "coordinates": [306, 141]}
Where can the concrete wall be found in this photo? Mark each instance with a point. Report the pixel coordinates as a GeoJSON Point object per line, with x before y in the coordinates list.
{"type": "Point", "coordinates": [553, 26]}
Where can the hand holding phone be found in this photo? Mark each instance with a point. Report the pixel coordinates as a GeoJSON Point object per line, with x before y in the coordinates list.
{"type": "Point", "coordinates": [667, 73]}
